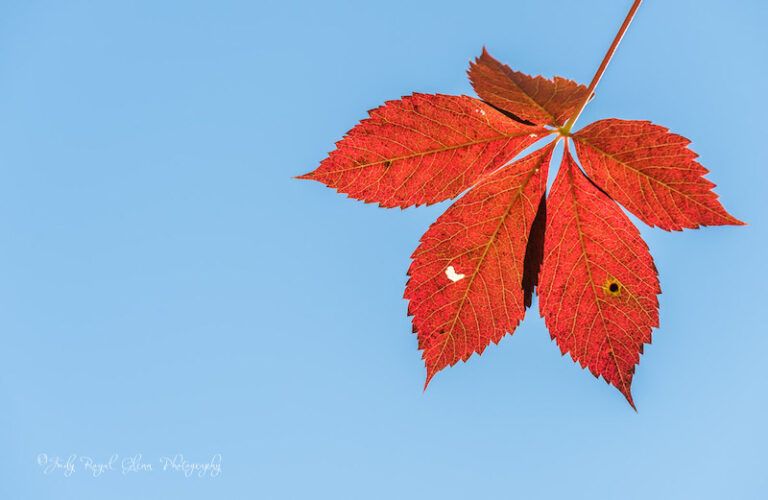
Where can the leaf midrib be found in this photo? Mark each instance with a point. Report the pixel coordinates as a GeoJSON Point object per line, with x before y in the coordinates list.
{"type": "Point", "coordinates": [572, 187]}
{"type": "Point", "coordinates": [431, 151]}
{"type": "Point", "coordinates": [587, 143]}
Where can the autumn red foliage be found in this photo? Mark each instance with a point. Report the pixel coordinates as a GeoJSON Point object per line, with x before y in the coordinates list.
{"type": "Point", "coordinates": [475, 269]}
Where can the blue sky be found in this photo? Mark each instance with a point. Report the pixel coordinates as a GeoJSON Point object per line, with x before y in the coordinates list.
{"type": "Point", "coordinates": [166, 287]}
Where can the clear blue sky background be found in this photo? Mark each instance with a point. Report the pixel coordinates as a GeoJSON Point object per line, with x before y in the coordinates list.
{"type": "Point", "coordinates": [166, 287]}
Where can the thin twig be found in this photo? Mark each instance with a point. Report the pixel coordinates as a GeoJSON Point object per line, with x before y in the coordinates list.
{"type": "Point", "coordinates": [599, 73]}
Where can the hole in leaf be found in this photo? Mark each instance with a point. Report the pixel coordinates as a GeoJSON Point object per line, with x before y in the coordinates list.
{"type": "Point", "coordinates": [452, 275]}
{"type": "Point", "coordinates": [612, 287]}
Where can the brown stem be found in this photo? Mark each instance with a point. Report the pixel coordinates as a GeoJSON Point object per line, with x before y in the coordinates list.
{"type": "Point", "coordinates": [599, 73]}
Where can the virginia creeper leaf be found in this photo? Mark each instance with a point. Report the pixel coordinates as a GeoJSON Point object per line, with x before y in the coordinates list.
{"type": "Point", "coordinates": [532, 98]}
{"type": "Point", "coordinates": [465, 287]}
{"type": "Point", "coordinates": [476, 268]}
{"type": "Point", "coordinates": [598, 285]}
{"type": "Point", "coordinates": [651, 172]}
{"type": "Point", "coordinates": [422, 149]}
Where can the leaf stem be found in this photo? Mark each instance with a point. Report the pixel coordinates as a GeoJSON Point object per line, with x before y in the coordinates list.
{"type": "Point", "coordinates": [566, 129]}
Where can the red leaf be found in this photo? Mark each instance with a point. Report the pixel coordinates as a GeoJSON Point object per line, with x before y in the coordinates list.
{"type": "Point", "coordinates": [651, 172]}
{"type": "Point", "coordinates": [476, 268]}
{"type": "Point", "coordinates": [422, 149]}
{"type": "Point", "coordinates": [465, 286]}
{"type": "Point", "coordinates": [532, 98]}
{"type": "Point", "coordinates": [598, 285]}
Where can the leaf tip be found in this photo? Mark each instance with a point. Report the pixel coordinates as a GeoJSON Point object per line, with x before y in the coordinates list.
{"type": "Point", "coordinates": [632, 403]}
{"type": "Point", "coordinates": [628, 396]}
{"type": "Point", "coordinates": [481, 59]}
{"type": "Point", "coordinates": [309, 176]}
{"type": "Point", "coordinates": [737, 222]}
{"type": "Point", "coordinates": [430, 374]}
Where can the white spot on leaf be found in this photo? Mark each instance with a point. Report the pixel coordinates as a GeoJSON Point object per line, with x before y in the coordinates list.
{"type": "Point", "coordinates": [453, 275]}
{"type": "Point", "coordinates": [533, 135]}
